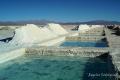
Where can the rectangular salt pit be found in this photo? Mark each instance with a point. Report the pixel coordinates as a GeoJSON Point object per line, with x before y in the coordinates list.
{"type": "Point", "coordinates": [83, 44]}
{"type": "Point", "coordinates": [55, 68]}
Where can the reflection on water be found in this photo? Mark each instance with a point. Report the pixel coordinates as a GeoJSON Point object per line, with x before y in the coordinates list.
{"type": "Point", "coordinates": [99, 69]}
{"type": "Point", "coordinates": [54, 68]}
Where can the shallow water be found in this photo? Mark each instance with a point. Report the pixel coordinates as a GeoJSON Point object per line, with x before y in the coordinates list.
{"type": "Point", "coordinates": [55, 68]}
{"type": "Point", "coordinates": [83, 44]}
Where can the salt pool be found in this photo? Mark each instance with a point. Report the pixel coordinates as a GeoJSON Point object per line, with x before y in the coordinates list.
{"type": "Point", "coordinates": [56, 68]}
{"type": "Point", "coordinates": [83, 44]}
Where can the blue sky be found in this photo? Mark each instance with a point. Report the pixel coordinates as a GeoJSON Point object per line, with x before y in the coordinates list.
{"type": "Point", "coordinates": [60, 10]}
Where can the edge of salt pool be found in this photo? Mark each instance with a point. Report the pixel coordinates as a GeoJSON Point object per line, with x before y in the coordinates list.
{"type": "Point", "coordinates": [6, 56]}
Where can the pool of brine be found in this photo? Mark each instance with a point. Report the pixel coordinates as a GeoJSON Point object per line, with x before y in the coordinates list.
{"type": "Point", "coordinates": [83, 44]}
{"type": "Point", "coordinates": [56, 68]}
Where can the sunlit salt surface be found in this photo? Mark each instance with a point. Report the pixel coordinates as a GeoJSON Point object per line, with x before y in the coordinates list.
{"type": "Point", "coordinates": [55, 68]}
{"type": "Point", "coordinates": [83, 44]}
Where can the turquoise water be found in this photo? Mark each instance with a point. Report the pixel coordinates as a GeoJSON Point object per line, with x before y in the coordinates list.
{"type": "Point", "coordinates": [55, 68]}
{"type": "Point", "coordinates": [83, 44]}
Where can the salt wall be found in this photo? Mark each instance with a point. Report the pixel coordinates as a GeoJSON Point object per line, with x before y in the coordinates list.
{"type": "Point", "coordinates": [84, 38]}
{"type": "Point", "coordinates": [69, 51]}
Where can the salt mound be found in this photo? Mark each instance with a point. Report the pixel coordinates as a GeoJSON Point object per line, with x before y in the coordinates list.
{"type": "Point", "coordinates": [97, 26]}
{"type": "Point", "coordinates": [84, 27]}
{"type": "Point", "coordinates": [56, 28]}
{"type": "Point", "coordinates": [31, 34]}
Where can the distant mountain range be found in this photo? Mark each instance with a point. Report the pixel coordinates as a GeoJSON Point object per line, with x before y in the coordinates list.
{"type": "Point", "coordinates": [99, 22]}
{"type": "Point", "coordinates": [43, 22]}
{"type": "Point", "coordinates": [39, 22]}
